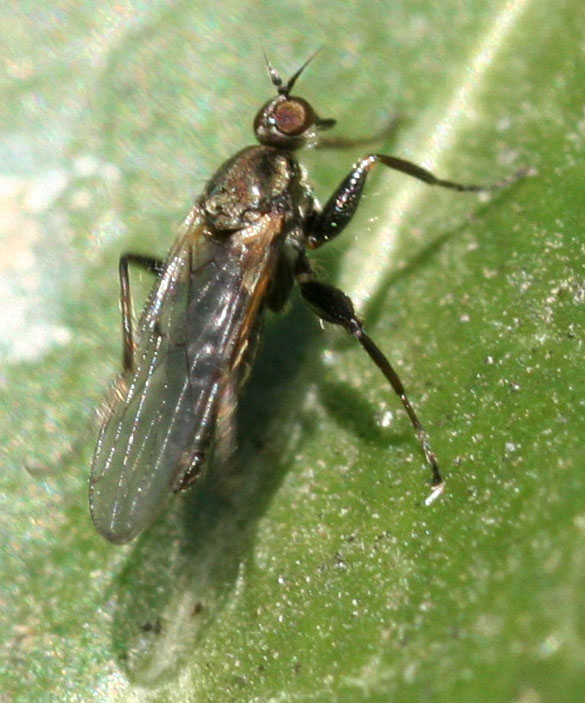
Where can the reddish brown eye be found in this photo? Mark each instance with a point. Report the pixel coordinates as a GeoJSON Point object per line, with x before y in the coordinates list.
{"type": "Point", "coordinates": [293, 116]}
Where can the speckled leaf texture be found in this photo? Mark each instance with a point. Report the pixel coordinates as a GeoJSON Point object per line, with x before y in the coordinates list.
{"type": "Point", "coordinates": [317, 572]}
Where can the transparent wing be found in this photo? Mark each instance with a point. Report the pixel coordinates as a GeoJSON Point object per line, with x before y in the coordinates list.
{"type": "Point", "coordinates": [191, 339]}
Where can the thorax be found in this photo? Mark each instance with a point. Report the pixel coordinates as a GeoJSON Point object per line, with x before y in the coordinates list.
{"type": "Point", "coordinates": [256, 181]}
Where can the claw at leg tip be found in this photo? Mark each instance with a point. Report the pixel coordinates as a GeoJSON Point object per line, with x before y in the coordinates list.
{"type": "Point", "coordinates": [435, 493]}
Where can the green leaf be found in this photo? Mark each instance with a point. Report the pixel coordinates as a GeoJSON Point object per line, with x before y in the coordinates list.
{"type": "Point", "coordinates": [316, 573]}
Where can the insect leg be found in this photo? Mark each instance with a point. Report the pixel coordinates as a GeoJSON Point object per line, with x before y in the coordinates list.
{"type": "Point", "coordinates": [341, 206]}
{"type": "Point", "coordinates": [150, 264]}
{"type": "Point", "coordinates": [349, 143]}
{"type": "Point", "coordinates": [332, 305]}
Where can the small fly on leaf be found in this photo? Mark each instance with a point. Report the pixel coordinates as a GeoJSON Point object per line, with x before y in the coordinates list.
{"type": "Point", "coordinates": [242, 250]}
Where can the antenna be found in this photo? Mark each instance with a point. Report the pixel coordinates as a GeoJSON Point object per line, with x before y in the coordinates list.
{"type": "Point", "coordinates": [277, 80]}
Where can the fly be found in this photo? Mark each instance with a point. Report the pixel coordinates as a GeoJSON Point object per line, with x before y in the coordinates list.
{"type": "Point", "coordinates": [243, 248]}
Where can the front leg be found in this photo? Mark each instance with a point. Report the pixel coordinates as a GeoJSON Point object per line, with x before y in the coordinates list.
{"type": "Point", "coordinates": [332, 305]}
{"type": "Point", "coordinates": [349, 143]}
{"type": "Point", "coordinates": [341, 206]}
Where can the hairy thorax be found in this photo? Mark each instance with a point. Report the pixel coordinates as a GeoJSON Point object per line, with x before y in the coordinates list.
{"type": "Point", "coordinates": [256, 181]}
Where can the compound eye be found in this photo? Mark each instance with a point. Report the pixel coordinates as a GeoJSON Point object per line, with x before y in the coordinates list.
{"type": "Point", "coordinates": [294, 116]}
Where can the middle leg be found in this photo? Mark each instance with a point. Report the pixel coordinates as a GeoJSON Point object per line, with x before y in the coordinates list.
{"type": "Point", "coordinates": [332, 305]}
